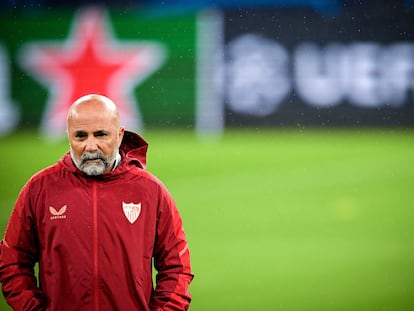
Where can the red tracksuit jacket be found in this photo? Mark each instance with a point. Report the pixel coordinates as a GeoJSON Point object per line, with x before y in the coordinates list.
{"type": "Point", "coordinates": [95, 239]}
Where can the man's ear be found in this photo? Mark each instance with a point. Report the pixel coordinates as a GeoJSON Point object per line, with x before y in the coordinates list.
{"type": "Point", "coordinates": [121, 135]}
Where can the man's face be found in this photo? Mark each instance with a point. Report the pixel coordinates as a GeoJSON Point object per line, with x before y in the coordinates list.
{"type": "Point", "coordinates": [94, 137]}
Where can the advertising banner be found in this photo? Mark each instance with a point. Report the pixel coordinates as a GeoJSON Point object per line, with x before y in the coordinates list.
{"type": "Point", "coordinates": [49, 58]}
{"type": "Point", "coordinates": [290, 67]}
{"type": "Point", "coordinates": [209, 70]}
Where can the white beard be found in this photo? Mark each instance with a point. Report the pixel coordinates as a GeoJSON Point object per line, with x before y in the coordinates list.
{"type": "Point", "coordinates": [94, 168]}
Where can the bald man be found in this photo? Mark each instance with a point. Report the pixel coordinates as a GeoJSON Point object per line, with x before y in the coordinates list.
{"type": "Point", "coordinates": [96, 222]}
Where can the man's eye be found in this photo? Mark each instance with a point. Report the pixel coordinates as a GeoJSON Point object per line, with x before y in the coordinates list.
{"type": "Point", "coordinates": [80, 135]}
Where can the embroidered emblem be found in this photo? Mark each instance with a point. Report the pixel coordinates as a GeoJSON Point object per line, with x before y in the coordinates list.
{"type": "Point", "coordinates": [58, 214]}
{"type": "Point", "coordinates": [131, 211]}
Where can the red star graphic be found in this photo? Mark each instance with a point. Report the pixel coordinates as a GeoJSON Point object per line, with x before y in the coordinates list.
{"type": "Point", "coordinates": [91, 61]}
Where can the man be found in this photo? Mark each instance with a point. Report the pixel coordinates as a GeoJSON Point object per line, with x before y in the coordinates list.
{"type": "Point", "coordinates": [95, 221]}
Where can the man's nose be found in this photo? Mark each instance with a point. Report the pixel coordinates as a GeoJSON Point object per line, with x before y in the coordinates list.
{"type": "Point", "coordinates": [91, 144]}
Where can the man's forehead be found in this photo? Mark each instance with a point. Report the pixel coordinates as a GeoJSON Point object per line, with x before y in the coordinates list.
{"type": "Point", "coordinates": [97, 118]}
{"type": "Point", "coordinates": [91, 127]}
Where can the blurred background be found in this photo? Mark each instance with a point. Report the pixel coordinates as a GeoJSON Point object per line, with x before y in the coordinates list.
{"type": "Point", "coordinates": [284, 130]}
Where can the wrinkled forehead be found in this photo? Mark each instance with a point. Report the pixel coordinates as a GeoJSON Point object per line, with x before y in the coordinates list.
{"type": "Point", "coordinates": [92, 124]}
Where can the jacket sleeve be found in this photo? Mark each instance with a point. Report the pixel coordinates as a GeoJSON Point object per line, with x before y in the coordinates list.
{"type": "Point", "coordinates": [18, 255]}
{"type": "Point", "coordinates": [171, 259]}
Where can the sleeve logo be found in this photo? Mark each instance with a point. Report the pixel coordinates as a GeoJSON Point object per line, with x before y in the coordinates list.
{"type": "Point", "coordinates": [131, 211]}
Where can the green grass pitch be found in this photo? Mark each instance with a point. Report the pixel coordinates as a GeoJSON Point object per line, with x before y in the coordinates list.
{"type": "Point", "coordinates": [277, 219]}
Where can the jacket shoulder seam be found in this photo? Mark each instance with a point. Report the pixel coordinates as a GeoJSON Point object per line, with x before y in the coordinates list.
{"type": "Point", "coordinates": [46, 171]}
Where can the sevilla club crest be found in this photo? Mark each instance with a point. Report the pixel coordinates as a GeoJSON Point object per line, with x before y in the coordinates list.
{"type": "Point", "coordinates": [131, 211]}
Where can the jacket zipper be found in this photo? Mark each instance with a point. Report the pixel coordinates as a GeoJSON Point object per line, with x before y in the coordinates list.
{"type": "Point", "coordinates": [95, 246]}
